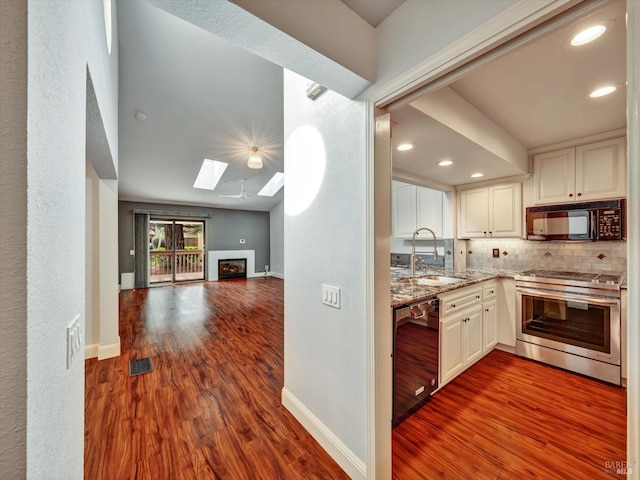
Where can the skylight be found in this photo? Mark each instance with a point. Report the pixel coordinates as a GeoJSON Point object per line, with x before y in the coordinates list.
{"type": "Point", "coordinates": [273, 185]}
{"type": "Point", "coordinates": [210, 173]}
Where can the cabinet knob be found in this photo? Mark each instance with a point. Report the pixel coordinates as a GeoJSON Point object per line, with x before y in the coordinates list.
{"type": "Point", "coordinates": [490, 233]}
{"type": "Point", "coordinates": [484, 233]}
{"type": "Point", "coordinates": [579, 194]}
{"type": "Point", "coordinates": [491, 291]}
{"type": "Point", "coordinates": [486, 309]}
{"type": "Point", "coordinates": [571, 194]}
{"type": "Point", "coordinates": [477, 296]}
{"type": "Point", "coordinates": [453, 305]}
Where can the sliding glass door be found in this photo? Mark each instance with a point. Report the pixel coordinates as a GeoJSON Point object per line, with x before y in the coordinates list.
{"type": "Point", "coordinates": [176, 250]}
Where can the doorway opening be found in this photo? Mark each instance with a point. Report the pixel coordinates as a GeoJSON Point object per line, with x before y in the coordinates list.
{"type": "Point", "coordinates": [176, 250]}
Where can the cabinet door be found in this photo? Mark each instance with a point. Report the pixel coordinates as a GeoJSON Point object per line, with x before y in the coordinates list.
{"type": "Point", "coordinates": [451, 359]}
{"type": "Point", "coordinates": [601, 170]}
{"type": "Point", "coordinates": [505, 211]}
{"type": "Point", "coordinates": [507, 321]}
{"type": "Point", "coordinates": [472, 340]}
{"type": "Point", "coordinates": [490, 326]}
{"type": "Point", "coordinates": [405, 210]}
{"type": "Point", "coordinates": [429, 211]}
{"type": "Point", "coordinates": [473, 218]}
{"type": "Point", "coordinates": [554, 176]}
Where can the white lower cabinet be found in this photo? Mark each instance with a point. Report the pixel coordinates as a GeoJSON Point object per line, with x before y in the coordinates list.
{"type": "Point", "coordinates": [490, 321]}
{"type": "Point", "coordinates": [468, 327]}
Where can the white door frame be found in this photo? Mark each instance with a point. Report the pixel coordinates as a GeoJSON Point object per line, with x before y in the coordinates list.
{"type": "Point", "coordinates": [521, 17]}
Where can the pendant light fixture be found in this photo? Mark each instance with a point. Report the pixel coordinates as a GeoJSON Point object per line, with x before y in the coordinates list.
{"type": "Point", "coordinates": [255, 160]}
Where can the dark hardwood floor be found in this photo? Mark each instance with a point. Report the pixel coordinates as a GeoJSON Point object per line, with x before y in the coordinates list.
{"type": "Point", "coordinates": [510, 418]}
{"type": "Point", "coordinates": [211, 409]}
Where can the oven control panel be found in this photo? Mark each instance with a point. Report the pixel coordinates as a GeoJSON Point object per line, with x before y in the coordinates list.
{"type": "Point", "coordinates": [610, 224]}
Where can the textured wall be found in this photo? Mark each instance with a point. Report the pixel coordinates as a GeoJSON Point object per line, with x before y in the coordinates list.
{"type": "Point", "coordinates": [13, 211]}
{"type": "Point", "coordinates": [325, 347]}
{"type": "Point", "coordinates": [65, 39]}
{"type": "Point", "coordinates": [92, 260]}
{"type": "Point", "coordinates": [418, 29]}
{"type": "Point", "coordinates": [276, 217]}
{"type": "Point", "coordinates": [224, 230]}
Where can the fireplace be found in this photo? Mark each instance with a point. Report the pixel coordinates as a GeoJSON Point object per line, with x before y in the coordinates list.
{"type": "Point", "coordinates": [232, 268]}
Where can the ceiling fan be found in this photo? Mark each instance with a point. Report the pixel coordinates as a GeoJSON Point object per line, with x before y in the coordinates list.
{"type": "Point", "coordinates": [242, 195]}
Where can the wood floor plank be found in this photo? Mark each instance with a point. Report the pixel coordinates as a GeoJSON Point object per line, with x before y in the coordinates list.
{"type": "Point", "coordinates": [514, 418]}
{"type": "Point", "coordinates": [211, 408]}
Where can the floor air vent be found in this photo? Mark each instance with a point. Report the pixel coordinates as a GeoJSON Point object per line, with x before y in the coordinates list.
{"type": "Point", "coordinates": [140, 366]}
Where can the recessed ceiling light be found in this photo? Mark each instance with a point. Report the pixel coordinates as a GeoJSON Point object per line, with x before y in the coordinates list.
{"type": "Point", "coordinates": [405, 146]}
{"type": "Point", "coordinates": [477, 175]}
{"type": "Point", "coordinates": [588, 35]}
{"type": "Point", "coordinates": [273, 185]}
{"type": "Point", "coordinates": [601, 92]}
{"type": "Point", "coordinates": [210, 173]}
{"type": "Point", "coordinates": [445, 163]}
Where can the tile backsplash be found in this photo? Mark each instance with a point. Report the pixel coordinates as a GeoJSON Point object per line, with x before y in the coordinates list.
{"type": "Point", "coordinates": [517, 254]}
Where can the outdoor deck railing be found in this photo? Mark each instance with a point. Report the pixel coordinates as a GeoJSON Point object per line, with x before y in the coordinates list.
{"type": "Point", "coordinates": [187, 261]}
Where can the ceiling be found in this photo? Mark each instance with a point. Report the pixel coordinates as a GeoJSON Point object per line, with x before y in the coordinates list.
{"type": "Point", "coordinates": [538, 94]}
{"type": "Point", "coordinates": [203, 98]}
{"type": "Point", "coordinates": [206, 98]}
{"type": "Point", "coordinates": [373, 11]}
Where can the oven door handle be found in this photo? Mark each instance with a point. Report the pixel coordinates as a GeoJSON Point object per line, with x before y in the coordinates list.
{"type": "Point", "coordinates": [568, 296]}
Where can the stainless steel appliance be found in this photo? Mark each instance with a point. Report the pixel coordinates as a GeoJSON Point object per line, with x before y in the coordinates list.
{"type": "Point", "coordinates": [415, 356]}
{"type": "Point", "coordinates": [570, 320]}
{"type": "Point", "coordinates": [593, 221]}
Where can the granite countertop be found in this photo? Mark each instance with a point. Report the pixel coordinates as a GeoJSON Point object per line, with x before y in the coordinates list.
{"type": "Point", "coordinates": [403, 293]}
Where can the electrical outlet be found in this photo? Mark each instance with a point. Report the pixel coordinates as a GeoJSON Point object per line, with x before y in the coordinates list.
{"type": "Point", "coordinates": [74, 340]}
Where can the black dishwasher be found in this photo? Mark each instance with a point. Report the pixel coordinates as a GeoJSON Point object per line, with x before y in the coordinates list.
{"type": "Point", "coordinates": [415, 356]}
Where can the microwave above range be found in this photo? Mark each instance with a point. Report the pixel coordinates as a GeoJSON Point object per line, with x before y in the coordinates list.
{"type": "Point", "coordinates": [592, 221]}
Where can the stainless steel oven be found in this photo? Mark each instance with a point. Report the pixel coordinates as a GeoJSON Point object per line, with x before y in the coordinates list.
{"type": "Point", "coordinates": [570, 320]}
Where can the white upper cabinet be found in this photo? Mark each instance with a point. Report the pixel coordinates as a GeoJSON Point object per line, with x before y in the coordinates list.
{"type": "Point", "coordinates": [416, 207]}
{"type": "Point", "coordinates": [588, 172]}
{"type": "Point", "coordinates": [490, 212]}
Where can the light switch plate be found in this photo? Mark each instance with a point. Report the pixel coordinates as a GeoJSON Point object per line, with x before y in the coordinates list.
{"type": "Point", "coordinates": [331, 296]}
{"type": "Point", "coordinates": [74, 340]}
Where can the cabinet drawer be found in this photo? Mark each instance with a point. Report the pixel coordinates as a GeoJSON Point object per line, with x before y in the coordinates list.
{"type": "Point", "coordinates": [489, 291]}
{"type": "Point", "coordinates": [459, 299]}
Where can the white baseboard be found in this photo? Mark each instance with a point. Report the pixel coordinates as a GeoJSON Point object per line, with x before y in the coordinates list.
{"type": "Point", "coordinates": [277, 275]}
{"type": "Point", "coordinates": [109, 351]}
{"type": "Point", "coordinates": [91, 351]}
{"type": "Point", "coordinates": [350, 463]}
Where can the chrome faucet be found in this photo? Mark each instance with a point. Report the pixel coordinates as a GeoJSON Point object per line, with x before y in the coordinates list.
{"type": "Point", "coordinates": [413, 253]}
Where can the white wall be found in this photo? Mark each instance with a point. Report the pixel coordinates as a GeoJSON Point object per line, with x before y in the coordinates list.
{"type": "Point", "coordinates": [419, 28]}
{"type": "Point", "coordinates": [62, 39]}
{"type": "Point", "coordinates": [13, 211]}
{"type": "Point", "coordinates": [325, 347]}
{"type": "Point", "coordinates": [276, 239]}
{"type": "Point", "coordinates": [92, 261]}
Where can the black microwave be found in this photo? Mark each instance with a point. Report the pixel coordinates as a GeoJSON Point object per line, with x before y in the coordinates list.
{"type": "Point", "coordinates": [592, 221]}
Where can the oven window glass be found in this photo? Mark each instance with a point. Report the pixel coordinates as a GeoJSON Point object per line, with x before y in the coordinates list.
{"type": "Point", "coordinates": [566, 321]}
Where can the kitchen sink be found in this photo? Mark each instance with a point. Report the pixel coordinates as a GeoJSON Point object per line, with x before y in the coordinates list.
{"type": "Point", "coordinates": [432, 280]}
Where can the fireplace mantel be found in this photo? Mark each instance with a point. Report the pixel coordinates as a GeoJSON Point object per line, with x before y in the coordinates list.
{"type": "Point", "coordinates": [215, 255]}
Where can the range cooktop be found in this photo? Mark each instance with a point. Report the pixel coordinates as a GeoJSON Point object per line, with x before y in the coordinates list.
{"type": "Point", "coordinates": [571, 276]}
